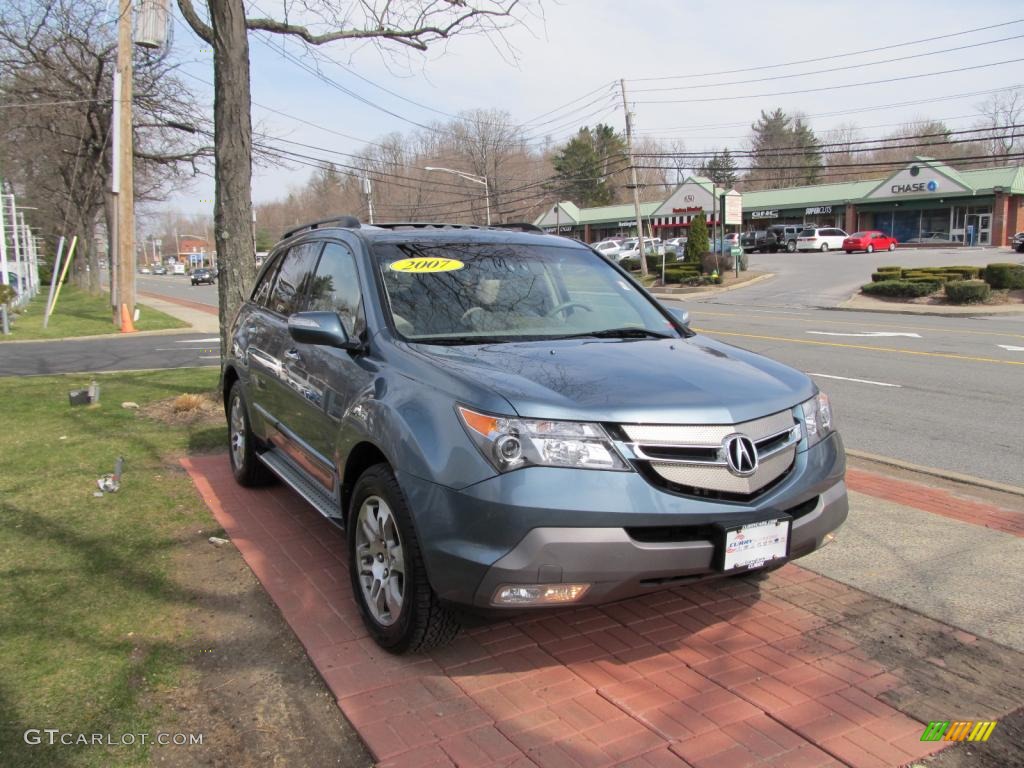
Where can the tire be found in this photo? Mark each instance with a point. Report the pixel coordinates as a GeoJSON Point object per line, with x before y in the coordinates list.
{"type": "Point", "coordinates": [824, 248]}
{"type": "Point", "coordinates": [849, 252]}
{"type": "Point", "coordinates": [248, 470]}
{"type": "Point", "coordinates": [892, 247]}
{"type": "Point", "coordinates": [379, 522]}
{"type": "Point", "coordinates": [790, 246]}
{"type": "Point", "coordinates": [870, 248]}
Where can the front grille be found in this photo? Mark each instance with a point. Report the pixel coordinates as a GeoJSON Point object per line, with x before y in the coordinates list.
{"type": "Point", "coordinates": [690, 459]}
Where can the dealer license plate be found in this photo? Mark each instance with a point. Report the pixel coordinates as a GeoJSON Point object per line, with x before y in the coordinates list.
{"type": "Point", "coordinates": [754, 544]}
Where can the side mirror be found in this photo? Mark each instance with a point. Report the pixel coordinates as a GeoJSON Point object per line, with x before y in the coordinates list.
{"type": "Point", "coordinates": [680, 314]}
{"type": "Point", "coordinates": [322, 328]}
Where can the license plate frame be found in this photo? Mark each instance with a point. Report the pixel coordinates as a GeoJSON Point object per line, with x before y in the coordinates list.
{"type": "Point", "coordinates": [765, 532]}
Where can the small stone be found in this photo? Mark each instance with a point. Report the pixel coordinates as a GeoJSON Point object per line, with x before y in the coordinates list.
{"type": "Point", "coordinates": [217, 541]}
{"type": "Point", "coordinates": [130, 405]}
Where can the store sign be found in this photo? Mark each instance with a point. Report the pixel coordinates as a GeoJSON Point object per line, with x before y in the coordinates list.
{"type": "Point", "coordinates": [768, 214]}
{"type": "Point", "coordinates": [622, 224]}
{"type": "Point", "coordinates": [818, 210]}
{"type": "Point", "coordinates": [732, 209]}
{"type": "Point", "coordinates": [692, 209]}
{"type": "Point", "coordinates": [917, 187]}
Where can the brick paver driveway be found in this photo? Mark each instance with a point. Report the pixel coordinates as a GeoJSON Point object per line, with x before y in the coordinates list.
{"type": "Point", "coordinates": [790, 670]}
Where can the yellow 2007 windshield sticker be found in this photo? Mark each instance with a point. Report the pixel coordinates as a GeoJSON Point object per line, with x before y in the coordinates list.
{"type": "Point", "coordinates": [425, 264]}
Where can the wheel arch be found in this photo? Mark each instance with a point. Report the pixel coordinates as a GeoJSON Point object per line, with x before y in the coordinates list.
{"type": "Point", "coordinates": [362, 456]}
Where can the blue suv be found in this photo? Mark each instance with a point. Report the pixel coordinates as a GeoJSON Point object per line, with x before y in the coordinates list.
{"type": "Point", "coordinates": [505, 420]}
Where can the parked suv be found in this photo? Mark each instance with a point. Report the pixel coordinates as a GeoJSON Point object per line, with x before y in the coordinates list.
{"type": "Point", "coordinates": [783, 237]}
{"type": "Point", "coordinates": [451, 397]}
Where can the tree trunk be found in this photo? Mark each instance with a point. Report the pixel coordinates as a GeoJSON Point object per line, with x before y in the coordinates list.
{"type": "Point", "coordinates": [232, 138]}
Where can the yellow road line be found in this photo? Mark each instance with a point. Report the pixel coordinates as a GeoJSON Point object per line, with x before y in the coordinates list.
{"type": "Point", "coordinates": [815, 319]}
{"type": "Point", "coordinates": [862, 346]}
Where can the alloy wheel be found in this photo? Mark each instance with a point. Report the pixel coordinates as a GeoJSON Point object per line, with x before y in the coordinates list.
{"type": "Point", "coordinates": [380, 560]}
{"type": "Point", "coordinates": [237, 426]}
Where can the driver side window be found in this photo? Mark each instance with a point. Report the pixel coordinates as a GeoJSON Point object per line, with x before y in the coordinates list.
{"type": "Point", "coordinates": [335, 288]}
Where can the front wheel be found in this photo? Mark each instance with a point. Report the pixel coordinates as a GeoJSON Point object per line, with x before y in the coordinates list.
{"type": "Point", "coordinates": [892, 247]}
{"type": "Point", "coordinates": [824, 247]}
{"type": "Point", "coordinates": [870, 249]}
{"type": "Point", "coordinates": [245, 465]}
{"type": "Point", "coordinates": [849, 251]}
{"type": "Point", "coordinates": [790, 246]}
{"type": "Point", "coordinates": [389, 579]}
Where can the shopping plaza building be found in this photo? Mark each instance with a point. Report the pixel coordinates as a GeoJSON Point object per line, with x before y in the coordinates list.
{"type": "Point", "coordinates": [925, 200]}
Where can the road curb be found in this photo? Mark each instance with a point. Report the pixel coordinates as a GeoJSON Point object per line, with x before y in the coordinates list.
{"type": "Point", "coordinates": [112, 335]}
{"type": "Point", "coordinates": [714, 291]}
{"type": "Point", "coordinates": [846, 306]}
{"type": "Point", "coordinates": [945, 474]}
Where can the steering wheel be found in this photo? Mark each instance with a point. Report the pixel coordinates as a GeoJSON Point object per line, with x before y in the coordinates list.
{"type": "Point", "coordinates": [470, 313]}
{"type": "Point", "coordinates": [567, 305]}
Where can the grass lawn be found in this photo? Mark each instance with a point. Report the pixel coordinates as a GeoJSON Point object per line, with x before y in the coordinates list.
{"type": "Point", "coordinates": [91, 627]}
{"type": "Point", "coordinates": [80, 314]}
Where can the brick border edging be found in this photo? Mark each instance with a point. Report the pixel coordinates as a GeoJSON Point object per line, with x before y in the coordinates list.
{"type": "Point", "coordinates": [936, 501]}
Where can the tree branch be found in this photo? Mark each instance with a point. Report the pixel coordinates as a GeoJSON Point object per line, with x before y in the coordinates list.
{"type": "Point", "coordinates": [202, 29]}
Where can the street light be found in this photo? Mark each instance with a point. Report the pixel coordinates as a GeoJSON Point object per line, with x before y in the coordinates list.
{"type": "Point", "coordinates": [474, 179]}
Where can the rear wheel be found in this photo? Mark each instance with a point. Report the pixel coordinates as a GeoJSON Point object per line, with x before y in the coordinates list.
{"type": "Point", "coordinates": [824, 247]}
{"type": "Point", "coordinates": [892, 246]}
{"type": "Point", "coordinates": [870, 248]}
{"type": "Point", "coordinates": [389, 579]}
{"type": "Point", "coordinates": [791, 246]}
{"type": "Point", "coordinates": [848, 251]}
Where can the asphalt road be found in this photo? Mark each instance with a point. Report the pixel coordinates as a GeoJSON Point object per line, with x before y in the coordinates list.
{"type": "Point", "coordinates": [177, 287]}
{"type": "Point", "coordinates": [114, 353]}
{"type": "Point", "coordinates": [944, 392]}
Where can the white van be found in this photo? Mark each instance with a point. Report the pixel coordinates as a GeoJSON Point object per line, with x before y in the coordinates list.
{"type": "Point", "coordinates": [178, 269]}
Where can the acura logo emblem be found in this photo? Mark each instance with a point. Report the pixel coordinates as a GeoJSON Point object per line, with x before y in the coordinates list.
{"type": "Point", "coordinates": [740, 455]}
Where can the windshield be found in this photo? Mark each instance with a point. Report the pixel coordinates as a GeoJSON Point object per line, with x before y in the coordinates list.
{"type": "Point", "coordinates": [476, 292]}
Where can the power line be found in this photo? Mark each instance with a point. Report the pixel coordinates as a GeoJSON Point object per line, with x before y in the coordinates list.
{"type": "Point", "coordinates": [880, 164]}
{"type": "Point", "coordinates": [761, 67]}
{"type": "Point", "coordinates": [833, 87]}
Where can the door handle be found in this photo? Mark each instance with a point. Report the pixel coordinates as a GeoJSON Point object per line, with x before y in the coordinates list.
{"type": "Point", "coordinates": [292, 354]}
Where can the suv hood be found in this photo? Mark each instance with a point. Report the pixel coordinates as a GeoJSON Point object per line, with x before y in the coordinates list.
{"type": "Point", "coordinates": [695, 381]}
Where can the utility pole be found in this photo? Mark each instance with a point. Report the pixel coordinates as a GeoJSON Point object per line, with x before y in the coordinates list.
{"type": "Point", "coordinates": [126, 188]}
{"type": "Point", "coordinates": [636, 188]}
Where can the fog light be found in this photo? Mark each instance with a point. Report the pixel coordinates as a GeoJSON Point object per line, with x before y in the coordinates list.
{"type": "Point", "coordinates": [539, 594]}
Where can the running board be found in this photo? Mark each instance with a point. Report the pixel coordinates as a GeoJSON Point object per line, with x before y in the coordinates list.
{"type": "Point", "coordinates": [282, 466]}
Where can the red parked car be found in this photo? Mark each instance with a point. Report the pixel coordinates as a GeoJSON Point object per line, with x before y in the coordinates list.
{"type": "Point", "coordinates": [870, 240]}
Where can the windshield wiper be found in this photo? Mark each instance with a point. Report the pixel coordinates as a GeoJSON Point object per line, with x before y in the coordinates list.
{"type": "Point", "coordinates": [620, 333]}
{"type": "Point", "coordinates": [454, 340]}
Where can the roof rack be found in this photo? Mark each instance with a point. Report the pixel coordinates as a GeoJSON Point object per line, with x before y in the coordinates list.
{"type": "Point", "coordinates": [348, 222]}
{"type": "Point", "coordinates": [522, 227]}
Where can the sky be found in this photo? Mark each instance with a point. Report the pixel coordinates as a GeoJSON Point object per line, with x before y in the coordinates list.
{"type": "Point", "coordinates": [564, 64]}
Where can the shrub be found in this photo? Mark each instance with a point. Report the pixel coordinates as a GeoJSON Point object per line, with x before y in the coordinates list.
{"type": "Point", "coordinates": [630, 264]}
{"type": "Point", "coordinates": [878, 277]}
{"type": "Point", "coordinates": [900, 288]}
{"type": "Point", "coordinates": [697, 240]}
{"type": "Point", "coordinates": [969, 273]}
{"type": "Point", "coordinates": [890, 269]}
{"type": "Point", "coordinates": [935, 284]}
{"type": "Point", "coordinates": [654, 262]}
{"type": "Point", "coordinates": [1004, 275]}
{"type": "Point", "coordinates": [967, 291]}
{"type": "Point", "coordinates": [722, 263]}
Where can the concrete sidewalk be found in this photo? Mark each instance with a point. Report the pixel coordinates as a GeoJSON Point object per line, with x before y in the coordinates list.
{"type": "Point", "coordinates": [839, 661]}
{"type": "Point", "coordinates": [202, 317]}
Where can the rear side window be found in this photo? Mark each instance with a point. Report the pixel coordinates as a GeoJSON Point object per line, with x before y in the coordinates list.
{"type": "Point", "coordinates": [294, 278]}
{"type": "Point", "coordinates": [261, 294]}
{"type": "Point", "coordinates": [335, 288]}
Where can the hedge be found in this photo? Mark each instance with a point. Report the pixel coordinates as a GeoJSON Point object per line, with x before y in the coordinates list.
{"type": "Point", "coordinates": [967, 291]}
{"type": "Point", "coordinates": [630, 264]}
{"type": "Point", "coordinates": [1004, 275]}
{"type": "Point", "coordinates": [890, 269]}
{"type": "Point", "coordinates": [900, 288]}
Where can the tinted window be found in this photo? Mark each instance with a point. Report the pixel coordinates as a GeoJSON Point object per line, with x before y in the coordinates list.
{"type": "Point", "coordinates": [294, 278]}
{"type": "Point", "coordinates": [807, 233]}
{"type": "Point", "coordinates": [262, 290]}
{"type": "Point", "coordinates": [335, 288]}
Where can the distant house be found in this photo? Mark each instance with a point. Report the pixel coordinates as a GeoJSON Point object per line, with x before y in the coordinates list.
{"type": "Point", "coordinates": [194, 251]}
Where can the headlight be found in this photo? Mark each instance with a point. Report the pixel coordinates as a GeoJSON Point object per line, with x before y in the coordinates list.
{"type": "Point", "coordinates": [510, 443]}
{"type": "Point", "coordinates": [816, 415]}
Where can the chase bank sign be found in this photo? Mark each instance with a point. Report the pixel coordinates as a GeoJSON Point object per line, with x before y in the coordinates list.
{"type": "Point", "coordinates": [917, 187]}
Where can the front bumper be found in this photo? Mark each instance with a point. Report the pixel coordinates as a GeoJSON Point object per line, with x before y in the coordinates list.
{"type": "Point", "coordinates": [549, 525]}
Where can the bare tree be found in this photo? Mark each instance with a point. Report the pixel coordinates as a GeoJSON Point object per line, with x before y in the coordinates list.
{"type": "Point", "coordinates": [1002, 113]}
{"type": "Point", "coordinates": [841, 142]}
{"type": "Point", "coordinates": [412, 24]}
{"type": "Point", "coordinates": [56, 61]}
